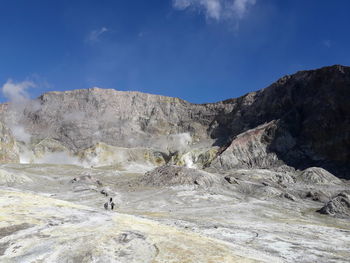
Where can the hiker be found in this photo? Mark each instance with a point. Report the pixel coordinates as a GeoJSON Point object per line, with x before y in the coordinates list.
{"type": "Point", "coordinates": [111, 202]}
{"type": "Point", "coordinates": [106, 206]}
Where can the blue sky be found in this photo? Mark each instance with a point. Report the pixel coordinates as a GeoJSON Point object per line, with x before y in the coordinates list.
{"type": "Point", "coordinates": [198, 50]}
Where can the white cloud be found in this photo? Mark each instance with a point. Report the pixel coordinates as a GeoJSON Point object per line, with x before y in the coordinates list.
{"type": "Point", "coordinates": [240, 7]}
{"type": "Point", "coordinates": [19, 99]}
{"type": "Point", "coordinates": [217, 9]}
{"type": "Point", "coordinates": [181, 4]}
{"type": "Point", "coordinates": [17, 92]}
{"type": "Point", "coordinates": [95, 35]}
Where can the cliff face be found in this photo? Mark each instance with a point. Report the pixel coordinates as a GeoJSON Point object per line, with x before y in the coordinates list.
{"type": "Point", "coordinates": [313, 113]}
{"type": "Point", "coordinates": [8, 146]}
{"type": "Point", "coordinates": [301, 120]}
{"type": "Point", "coordinates": [82, 118]}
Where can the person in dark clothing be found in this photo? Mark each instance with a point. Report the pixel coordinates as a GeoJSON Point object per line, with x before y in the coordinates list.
{"type": "Point", "coordinates": [111, 203]}
{"type": "Point", "coordinates": [106, 206]}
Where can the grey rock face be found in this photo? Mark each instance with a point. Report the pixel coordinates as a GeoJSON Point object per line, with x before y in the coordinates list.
{"type": "Point", "coordinates": [313, 116]}
{"type": "Point", "coordinates": [249, 150]}
{"type": "Point", "coordinates": [302, 120]}
{"type": "Point", "coordinates": [8, 147]}
{"type": "Point", "coordinates": [82, 118]}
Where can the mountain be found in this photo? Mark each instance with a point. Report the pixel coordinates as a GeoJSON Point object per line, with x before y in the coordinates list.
{"type": "Point", "coordinates": [302, 120]}
{"type": "Point", "coordinates": [251, 179]}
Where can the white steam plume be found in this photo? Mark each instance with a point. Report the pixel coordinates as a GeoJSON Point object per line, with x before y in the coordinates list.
{"type": "Point", "coordinates": [16, 93]}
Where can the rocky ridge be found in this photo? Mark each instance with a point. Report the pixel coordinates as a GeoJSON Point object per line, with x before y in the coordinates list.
{"type": "Point", "coordinates": [302, 120]}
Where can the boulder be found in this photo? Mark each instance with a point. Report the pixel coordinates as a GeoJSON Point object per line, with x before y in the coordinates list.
{"type": "Point", "coordinates": [338, 206]}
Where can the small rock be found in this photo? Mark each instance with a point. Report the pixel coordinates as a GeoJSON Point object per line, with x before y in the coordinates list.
{"type": "Point", "coordinates": [231, 179]}
{"type": "Point", "coordinates": [99, 182]}
{"type": "Point", "coordinates": [290, 197]}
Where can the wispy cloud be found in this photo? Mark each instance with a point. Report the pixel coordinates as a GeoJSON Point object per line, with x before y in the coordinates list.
{"type": "Point", "coordinates": [240, 7]}
{"type": "Point", "coordinates": [17, 92]}
{"type": "Point", "coordinates": [217, 9]}
{"type": "Point", "coordinates": [95, 35]}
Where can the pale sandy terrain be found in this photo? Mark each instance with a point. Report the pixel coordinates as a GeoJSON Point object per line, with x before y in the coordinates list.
{"type": "Point", "coordinates": [46, 216]}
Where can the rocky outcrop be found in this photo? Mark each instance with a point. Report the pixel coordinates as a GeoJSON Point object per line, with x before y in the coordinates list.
{"type": "Point", "coordinates": [170, 175]}
{"type": "Point", "coordinates": [249, 150]}
{"type": "Point", "coordinates": [317, 175]}
{"type": "Point", "coordinates": [263, 176]}
{"type": "Point", "coordinates": [317, 196]}
{"type": "Point", "coordinates": [195, 158]}
{"type": "Point", "coordinates": [48, 146]}
{"type": "Point", "coordinates": [8, 146]}
{"type": "Point", "coordinates": [338, 206]}
{"type": "Point", "coordinates": [104, 155]}
{"type": "Point", "coordinates": [313, 118]}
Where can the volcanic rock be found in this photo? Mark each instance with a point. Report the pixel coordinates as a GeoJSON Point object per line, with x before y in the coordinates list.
{"type": "Point", "coordinates": [317, 175]}
{"type": "Point", "coordinates": [250, 150]}
{"type": "Point", "coordinates": [8, 146]}
{"type": "Point", "coordinates": [338, 206]}
{"type": "Point", "coordinates": [170, 175]}
{"type": "Point", "coordinates": [103, 155]}
{"type": "Point", "coordinates": [318, 196]}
